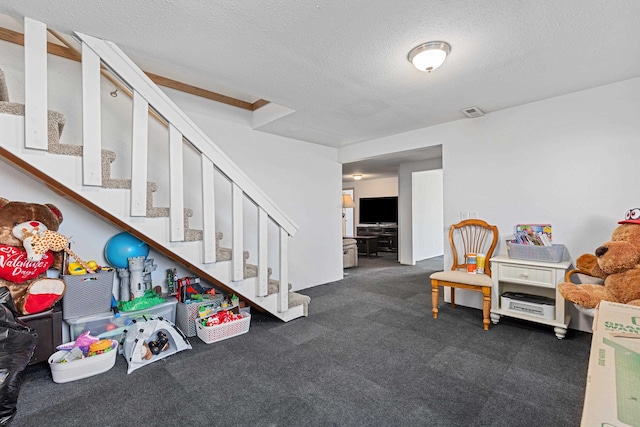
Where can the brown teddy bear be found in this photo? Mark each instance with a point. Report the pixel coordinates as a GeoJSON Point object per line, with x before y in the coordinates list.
{"type": "Point", "coordinates": [617, 262]}
{"type": "Point", "coordinates": [31, 289]}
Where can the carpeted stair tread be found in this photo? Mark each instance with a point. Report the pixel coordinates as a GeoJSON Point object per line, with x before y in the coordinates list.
{"type": "Point", "coordinates": [223, 254]}
{"type": "Point", "coordinates": [4, 89]}
{"type": "Point", "coordinates": [274, 286]}
{"type": "Point", "coordinates": [109, 157]}
{"type": "Point", "coordinates": [250, 270]}
{"type": "Point", "coordinates": [299, 299]}
{"type": "Point", "coordinates": [55, 119]}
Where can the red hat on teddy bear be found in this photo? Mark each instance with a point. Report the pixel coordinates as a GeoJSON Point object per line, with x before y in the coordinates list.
{"type": "Point", "coordinates": [631, 217]}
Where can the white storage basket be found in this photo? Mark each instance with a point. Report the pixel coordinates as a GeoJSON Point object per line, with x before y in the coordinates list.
{"type": "Point", "coordinates": [187, 314]}
{"type": "Point", "coordinates": [211, 334]}
{"type": "Point", "coordinates": [81, 368]}
{"type": "Point", "coordinates": [535, 253]}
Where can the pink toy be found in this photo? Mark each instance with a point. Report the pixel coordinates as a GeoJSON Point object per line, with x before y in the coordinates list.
{"type": "Point", "coordinates": [83, 341]}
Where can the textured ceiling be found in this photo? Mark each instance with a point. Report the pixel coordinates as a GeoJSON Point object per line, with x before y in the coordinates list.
{"type": "Point", "coordinates": [342, 65]}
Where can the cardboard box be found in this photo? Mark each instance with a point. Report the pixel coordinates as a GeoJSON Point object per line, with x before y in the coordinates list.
{"type": "Point", "coordinates": [612, 396]}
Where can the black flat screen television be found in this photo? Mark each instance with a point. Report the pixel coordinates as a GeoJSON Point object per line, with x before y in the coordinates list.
{"type": "Point", "coordinates": [377, 210]}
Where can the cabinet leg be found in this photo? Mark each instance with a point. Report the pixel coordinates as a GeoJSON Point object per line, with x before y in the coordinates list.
{"type": "Point", "coordinates": [434, 299]}
{"type": "Point", "coordinates": [495, 318]}
{"type": "Point", "coordinates": [560, 332]}
{"type": "Point", "coordinates": [486, 306]}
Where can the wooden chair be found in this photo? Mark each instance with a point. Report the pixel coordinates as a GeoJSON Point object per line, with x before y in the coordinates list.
{"type": "Point", "coordinates": [467, 237]}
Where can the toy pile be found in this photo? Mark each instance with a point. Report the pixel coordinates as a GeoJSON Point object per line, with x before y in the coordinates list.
{"type": "Point", "coordinates": [220, 318]}
{"type": "Point", "coordinates": [84, 346]}
{"type": "Point", "coordinates": [160, 344]}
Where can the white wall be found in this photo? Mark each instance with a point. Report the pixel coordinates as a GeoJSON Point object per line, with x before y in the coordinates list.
{"type": "Point", "coordinates": [570, 161]}
{"type": "Point", "coordinates": [304, 179]}
{"type": "Point", "coordinates": [427, 214]}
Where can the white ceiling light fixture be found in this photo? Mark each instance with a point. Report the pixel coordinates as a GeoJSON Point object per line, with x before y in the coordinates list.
{"type": "Point", "coordinates": [357, 177]}
{"type": "Point", "coordinates": [429, 56]}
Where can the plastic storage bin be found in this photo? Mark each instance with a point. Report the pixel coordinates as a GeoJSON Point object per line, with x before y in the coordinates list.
{"type": "Point", "coordinates": [211, 334]}
{"type": "Point", "coordinates": [535, 253]}
{"type": "Point", "coordinates": [187, 313]}
{"type": "Point", "coordinates": [100, 324]}
{"type": "Point", "coordinates": [87, 294]}
{"type": "Point", "coordinates": [82, 368]}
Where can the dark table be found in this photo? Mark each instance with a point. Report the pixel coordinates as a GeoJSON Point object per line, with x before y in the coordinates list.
{"type": "Point", "coordinates": [367, 245]}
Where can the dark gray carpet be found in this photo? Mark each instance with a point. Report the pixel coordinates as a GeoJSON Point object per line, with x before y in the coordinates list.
{"type": "Point", "coordinates": [369, 354]}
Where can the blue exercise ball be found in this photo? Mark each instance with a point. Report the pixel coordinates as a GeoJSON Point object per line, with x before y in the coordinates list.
{"type": "Point", "coordinates": [123, 246]}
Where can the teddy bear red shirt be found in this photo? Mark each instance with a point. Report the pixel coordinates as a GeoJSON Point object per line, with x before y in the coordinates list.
{"type": "Point", "coordinates": [16, 268]}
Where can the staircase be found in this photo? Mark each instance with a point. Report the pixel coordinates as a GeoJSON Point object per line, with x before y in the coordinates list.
{"type": "Point", "coordinates": [213, 186]}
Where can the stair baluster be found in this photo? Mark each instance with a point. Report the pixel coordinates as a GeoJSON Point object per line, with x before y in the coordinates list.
{"type": "Point", "coordinates": [139, 155]}
{"type": "Point", "coordinates": [237, 233]}
{"type": "Point", "coordinates": [208, 211]}
{"type": "Point", "coordinates": [91, 118]}
{"type": "Point", "coordinates": [263, 258]}
{"type": "Point", "coordinates": [176, 185]}
{"type": "Point", "coordinates": [283, 295]}
{"type": "Point", "coordinates": [35, 67]}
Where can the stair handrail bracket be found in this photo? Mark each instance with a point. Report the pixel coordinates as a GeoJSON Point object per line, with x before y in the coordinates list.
{"type": "Point", "coordinates": [131, 75]}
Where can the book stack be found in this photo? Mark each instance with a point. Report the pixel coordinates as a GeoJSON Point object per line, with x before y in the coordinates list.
{"type": "Point", "coordinates": [533, 234]}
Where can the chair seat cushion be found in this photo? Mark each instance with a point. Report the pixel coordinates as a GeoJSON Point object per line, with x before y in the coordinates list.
{"type": "Point", "coordinates": [463, 277]}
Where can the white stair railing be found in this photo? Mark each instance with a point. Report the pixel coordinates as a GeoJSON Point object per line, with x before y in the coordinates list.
{"type": "Point", "coordinates": [116, 60]}
{"type": "Point", "coordinates": [146, 95]}
{"type": "Point", "coordinates": [35, 69]}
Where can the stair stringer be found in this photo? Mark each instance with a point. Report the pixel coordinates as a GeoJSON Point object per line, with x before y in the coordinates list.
{"type": "Point", "coordinates": [115, 202]}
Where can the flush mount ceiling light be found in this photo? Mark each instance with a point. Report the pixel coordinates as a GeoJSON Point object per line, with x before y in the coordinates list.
{"type": "Point", "coordinates": [357, 177]}
{"type": "Point", "coordinates": [429, 56]}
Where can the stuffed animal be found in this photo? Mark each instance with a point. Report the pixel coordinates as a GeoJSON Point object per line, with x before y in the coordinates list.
{"type": "Point", "coordinates": [617, 262]}
{"type": "Point", "coordinates": [36, 244]}
{"type": "Point", "coordinates": [27, 280]}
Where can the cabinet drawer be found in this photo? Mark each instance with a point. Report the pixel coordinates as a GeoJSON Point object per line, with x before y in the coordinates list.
{"type": "Point", "coordinates": [536, 276]}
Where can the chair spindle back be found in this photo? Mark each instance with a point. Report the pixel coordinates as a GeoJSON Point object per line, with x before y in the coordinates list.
{"type": "Point", "coordinates": [472, 236]}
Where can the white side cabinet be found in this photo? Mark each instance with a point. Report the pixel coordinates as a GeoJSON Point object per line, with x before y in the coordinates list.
{"type": "Point", "coordinates": [530, 277]}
